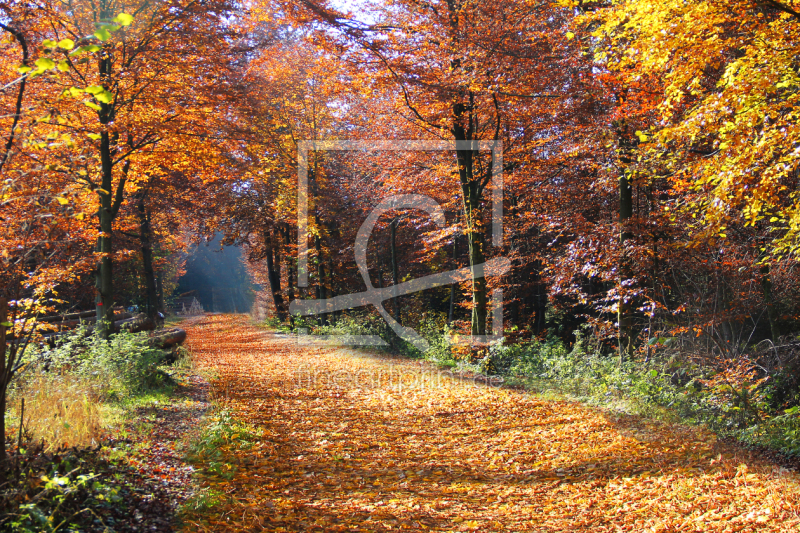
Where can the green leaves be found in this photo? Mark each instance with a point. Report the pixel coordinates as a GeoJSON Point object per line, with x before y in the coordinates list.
{"type": "Point", "coordinates": [100, 93]}
{"type": "Point", "coordinates": [104, 30]}
{"type": "Point", "coordinates": [103, 34]}
{"type": "Point", "coordinates": [123, 19]}
{"type": "Point", "coordinates": [88, 48]}
{"type": "Point", "coordinates": [45, 63]}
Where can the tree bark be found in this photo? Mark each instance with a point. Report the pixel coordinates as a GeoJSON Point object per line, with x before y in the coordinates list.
{"type": "Point", "coordinates": [291, 265]}
{"type": "Point", "coordinates": [20, 37]}
{"type": "Point", "coordinates": [107, 210]}
{"type": "Point", "coordinates": [274, 277]}
{"type": "Point", "coordinates": [3, 388]}
{"type": "Point", "coordinates": [769, 299]}
{"type": "Point", "coordinates": [395, 273]}
{"type": "Point", "coordinates": [472, 196]}
{"type": "Point", "coordinates": [475, 245]}
{"type": "Point", "coordinates": [452, 303]}
{"type": "Point", "coordinates": [625, 307]}
{"type": "Point", "coordinates": [146, 245]}
{"type": "Point", "coordinates": [323, 317]}
{"type": "Point", "coordinates": [104, 272]}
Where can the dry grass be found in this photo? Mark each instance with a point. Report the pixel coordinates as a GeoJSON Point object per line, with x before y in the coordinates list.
{"type": "Point", "coordinates": [60, 410]}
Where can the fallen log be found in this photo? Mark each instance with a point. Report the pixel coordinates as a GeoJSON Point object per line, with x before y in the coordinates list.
{"type": "Point", "coordinates": [168, 338]}
{"type": "Point", "coordinates": [74, 323]}
{"type": "Point", "coordinates": [131, 325]}
{"type": "Point", "coordinates": [75, 316]}
{"type": "Point", "coordinates": [135, 324]}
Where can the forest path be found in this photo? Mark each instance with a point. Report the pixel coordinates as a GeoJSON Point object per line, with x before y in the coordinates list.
{"type": "Point", "coordinates": [355, 442]}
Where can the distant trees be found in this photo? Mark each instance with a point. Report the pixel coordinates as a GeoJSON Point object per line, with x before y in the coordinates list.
{"type": "Point", "coordinates": [638, 201]}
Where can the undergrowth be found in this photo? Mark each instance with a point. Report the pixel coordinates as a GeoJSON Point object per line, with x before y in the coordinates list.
{"type": "Point", "coordinates": [213, 453]}
{"type": "Point", "coordinates": [66, 401]}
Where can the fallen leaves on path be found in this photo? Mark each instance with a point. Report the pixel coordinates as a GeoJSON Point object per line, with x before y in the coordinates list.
{"type": "Point", "coordinates": [355, 442]}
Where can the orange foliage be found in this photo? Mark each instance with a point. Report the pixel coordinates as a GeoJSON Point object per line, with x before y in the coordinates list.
{"type": "Point", "coordinates": [354, 442]}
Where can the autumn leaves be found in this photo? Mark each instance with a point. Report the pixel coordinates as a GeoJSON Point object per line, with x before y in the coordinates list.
{"type": "Point", "coordinates": [403, 451]}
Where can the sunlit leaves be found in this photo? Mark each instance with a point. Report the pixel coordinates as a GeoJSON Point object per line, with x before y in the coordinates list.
{"type": "Point", "coordinates": [729, 93]}
{"type": "Point", "coordinates": [358, 442]}
{"type": "Point", "coordinates": [123, 19]}
{"type": "Point", "coordinates": [103, 34]}
{"type": "Point", "coordinates": [45, 63]}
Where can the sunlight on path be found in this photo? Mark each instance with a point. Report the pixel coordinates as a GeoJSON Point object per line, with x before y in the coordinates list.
{"type": "Point", "coordinates": [361, 443]}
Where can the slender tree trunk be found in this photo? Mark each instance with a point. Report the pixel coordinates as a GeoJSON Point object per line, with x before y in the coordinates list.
{"type": "Point", "coordinates": [625, 306]}
{"type": "Point", "coordinates": [769, 299]}
{"type": "Point", "coordinates": [475, 245]}
{"type": "Point", "coordinates": [108, 206]}
{"type": "Point", "coordinates": [104, 271]}
{"type": "Point", "coordinates": [540, 319]}
{"type": "Point", "coordinates": [146, 244]}
{"type": "Point", "coordinates": [323, 318]}
{"type": "Point", "coordinates": [4, 372]}
{"type": "Point", "coordinates": [18, 35]}
{"type": "Point", "coordinates": [160, 292]}
{"type": "Point", "coordinates": [452, 303]}
{"type": "Point", "coordinates": [464, 130]}
{"type": "Point", "coordinates": [290, 269]}
{"type": "Point", "coordinates": [395, 274]}
{"type": "Point", "coordinates": [274, 277]}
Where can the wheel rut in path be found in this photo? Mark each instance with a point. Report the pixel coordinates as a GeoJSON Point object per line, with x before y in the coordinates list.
{"type": "Point", "coordinates": [356, 442]}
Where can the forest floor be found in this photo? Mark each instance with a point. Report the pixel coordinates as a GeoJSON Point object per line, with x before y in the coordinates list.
{"type": "Point", "coordinates": [340, 440]}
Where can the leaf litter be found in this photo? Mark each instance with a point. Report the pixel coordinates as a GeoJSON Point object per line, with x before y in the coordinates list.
{"type": "Point", "coordinates": [348, 441]}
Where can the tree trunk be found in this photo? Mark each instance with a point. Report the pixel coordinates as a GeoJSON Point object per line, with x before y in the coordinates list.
{"type": "Point", "coordinates": [769, 299]}
{"type": "Point", "coordinates": [452, 303]}
{"type": "Point", "coordinates": [540, 318]}
{"type": "Point", "coordinates": [104, 272]}
{"type": "Point", "coordinates": [395, 273]}
{"type": "Point", "coordinates": [323, 318]}
{"type": "Point", "coordinates": [625, 307]}
{"type": "Point", "coordinates": [476, 257]}
{"type": "Point", "coordinates": [160, 292]}
{"type": "Point", "coordinates": [471, 192]}
{"type": "Point", "coordinates": [3, 387]}
{"type": "Point", "coordinates": [290, 269]}
{"type": "Point", "coordinates": [107, 210]}
{"type": "Point", "coordinates": [145, 239]}
{"type": "Point", "coordinates": [274, 277]}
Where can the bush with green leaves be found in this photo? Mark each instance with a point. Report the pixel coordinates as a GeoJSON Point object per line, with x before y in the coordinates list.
{"type": "Point", "coordinates": [122, 365]}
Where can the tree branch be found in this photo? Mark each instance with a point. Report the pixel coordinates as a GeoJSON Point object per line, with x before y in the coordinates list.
{"type": "Point", "coordinates": [18, 109]}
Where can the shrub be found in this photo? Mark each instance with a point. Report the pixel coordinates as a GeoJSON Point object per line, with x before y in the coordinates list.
{"type": "Point", "coordinates": [123, 365]}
